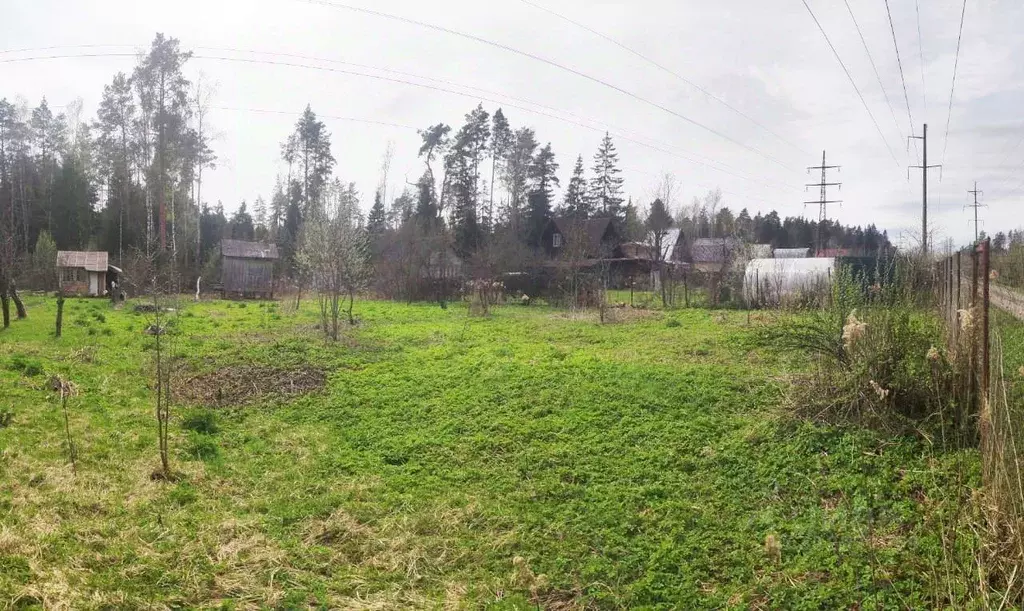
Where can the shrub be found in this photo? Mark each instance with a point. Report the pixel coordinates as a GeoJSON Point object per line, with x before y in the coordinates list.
{"type": "Point", "coordinates": [27, 366]}
{"type": "Point", "coordinates": [202, 447]}
{"type": "Point", "coordinates": [875, 362]}
{"type": "Point", "coordinates": [673, 323]}
{"type": "Point", "coordinates": [201, 421]}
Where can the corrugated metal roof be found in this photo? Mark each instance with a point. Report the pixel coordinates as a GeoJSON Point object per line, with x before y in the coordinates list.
{"type": "Point", "coordinates": [713, 250]}
{"type": "Point", "coordinates": [668, 242]}
{"type": "Point", "coordinates": [759, 251]}
{"type": "Point", "coordinates": [248, 250]}
{"type": "Point", "coordinates": [792, 253]}
{"type": "Point", "coordinates": [92, 261]}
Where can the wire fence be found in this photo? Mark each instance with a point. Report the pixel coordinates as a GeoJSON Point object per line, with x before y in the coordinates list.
{"type": "Point", "coordinates": [964, 300]}
{"type": "Point", "coordinates": [985, 333]}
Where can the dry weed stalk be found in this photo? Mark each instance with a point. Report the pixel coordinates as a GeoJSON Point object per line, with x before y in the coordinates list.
{"type": "Point", "coordinates": [66, 388]}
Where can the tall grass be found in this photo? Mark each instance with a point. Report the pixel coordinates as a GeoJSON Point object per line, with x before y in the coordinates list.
{"type": "Point", "coordinates": [878, 359]}
{"type": "Point", "coordinates": [1003, 495]}
{"type": "Point", "coordinates": [883, 359]}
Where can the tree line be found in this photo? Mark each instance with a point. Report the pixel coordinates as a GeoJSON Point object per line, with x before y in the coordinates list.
{"type": "Point", "coordinates": [131, 180]}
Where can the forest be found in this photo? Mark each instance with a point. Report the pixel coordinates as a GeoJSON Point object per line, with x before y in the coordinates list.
{"type": "Point", "coordinates": [130, 180]}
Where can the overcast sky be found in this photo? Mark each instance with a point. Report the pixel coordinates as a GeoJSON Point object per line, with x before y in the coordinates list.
{"type": "Point", "coordinates": [766, 59]}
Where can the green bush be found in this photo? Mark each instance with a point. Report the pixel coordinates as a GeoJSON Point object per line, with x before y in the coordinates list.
{"type": "Point", "coordinates": [201, 421]}
{"type": "Point", "coordinates": [202, 447]}
{"type": "Point", "coordinates": [876, 362]}
{"type": "Point", "coordinates": [27, 366]}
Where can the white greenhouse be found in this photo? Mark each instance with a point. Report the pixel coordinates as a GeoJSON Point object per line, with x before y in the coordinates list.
{"type": "Point", "coordinates": [773, 281]}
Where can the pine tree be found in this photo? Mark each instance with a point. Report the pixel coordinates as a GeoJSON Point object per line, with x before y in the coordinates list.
{"type": "Point", "coordinates": [309, 148]}
{"type": "Point", "coordinates": [606, 185]}
{"type": "Point", "coordinates": [278, 208]}
{"type": "Point", "coordinates": [463, 170]}
{"type": "Point", "coordinates": [501, 142]}
{"type": "Point", "coordinates": [543, 179]}
{"type": "Point", "coordinates": [164, 113]}
{"type": "Point", "coordinates": [517, 176]}
{"type": "Point", "coordinates": [576, 201]}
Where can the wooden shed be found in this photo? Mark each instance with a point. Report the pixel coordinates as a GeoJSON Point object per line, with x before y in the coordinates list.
{"type": "Point", "coordinates": [247, 268]}
{"type": "Point", "coordinates": [85, 272]}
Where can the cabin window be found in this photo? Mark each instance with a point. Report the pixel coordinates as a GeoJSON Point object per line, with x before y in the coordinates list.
{"type": "Point", "coordinates": [556, 240]}
{"type": "Point", "coordinates": [72, 274]}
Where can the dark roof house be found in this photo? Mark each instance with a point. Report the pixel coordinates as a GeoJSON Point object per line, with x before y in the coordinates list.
{"type": "Point", "coordinates": [247, 268]}
{"type": "Point", "coordinates": [595, 238]}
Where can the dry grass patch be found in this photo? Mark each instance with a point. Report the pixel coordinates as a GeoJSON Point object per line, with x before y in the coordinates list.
{"type": "Point", "coordinates": [245, 384]}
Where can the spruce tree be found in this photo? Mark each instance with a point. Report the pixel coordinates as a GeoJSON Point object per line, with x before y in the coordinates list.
{"type": "Point", "coordinates": [606, 185]}
{"type": "Point", "coordinates": [577, 203]}
{"type": "Point", "coordinates": [377, 222]}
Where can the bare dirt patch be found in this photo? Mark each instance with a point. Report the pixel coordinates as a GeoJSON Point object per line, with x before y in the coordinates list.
{"type": "Point", "coordinates": [244, 384]}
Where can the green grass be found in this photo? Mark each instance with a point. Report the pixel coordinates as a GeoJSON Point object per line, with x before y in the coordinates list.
{"type": "Point", "coordinates": [520, 459]}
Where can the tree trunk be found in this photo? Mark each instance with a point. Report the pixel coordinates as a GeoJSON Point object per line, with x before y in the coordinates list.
{"type": "Point", "coordinates": [351, 303]}
{"type": "Point", "coordinates": [5, 305]}
{"type": "Point", "coordinates": [60, 313]}
{"type": "Point", "coordinates": [17, 302]}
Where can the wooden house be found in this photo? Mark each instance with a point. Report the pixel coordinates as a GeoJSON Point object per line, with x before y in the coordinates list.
{"type": "Point", "coordinates": [247, 268]}
{"type": "Point", "coordinates": [85, 272]}
{"type": "Point", "coordinates": [589, 240]}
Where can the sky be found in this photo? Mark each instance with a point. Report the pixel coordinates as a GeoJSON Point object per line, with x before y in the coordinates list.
{"type": "Point", "coordinates": [740, 95]}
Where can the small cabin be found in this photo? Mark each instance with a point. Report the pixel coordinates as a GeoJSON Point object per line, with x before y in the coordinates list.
{"type": "Point", "coordinates": [247, 268]}
{"type": "Point", "coordinates": [85, 273]}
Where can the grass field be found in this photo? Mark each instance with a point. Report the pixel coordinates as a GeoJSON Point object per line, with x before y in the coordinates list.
{"type": "Point", "coordinates": [432, 459]}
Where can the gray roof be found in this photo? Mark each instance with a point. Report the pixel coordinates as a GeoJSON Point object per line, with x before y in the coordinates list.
{"type": "Point", "coordinates": [713, 250]}
{"type": "Point", "coordinates": [668, 242]}
{"type": "Point", "coordinates": [792, 253]}
{"type": "Point", "coordinates": [248, 250]}
{"type": "Point", "coordinates": [759, 251]}
{"type": "Point", "coordinates": [92, 261]}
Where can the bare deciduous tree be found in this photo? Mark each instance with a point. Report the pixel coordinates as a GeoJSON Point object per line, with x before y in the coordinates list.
{"type": "Point", "coordinates": [335, 253]}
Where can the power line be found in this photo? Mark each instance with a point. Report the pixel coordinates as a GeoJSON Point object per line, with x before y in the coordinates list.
{"type": "Point", "coordinates": [956, 62]}
{"type": "Point", "coordinates": [551, 63]}
{"type": "Point", "coordinates": [414, 84]}
{"type": "Point", "coordinates": [849, 76]}
{"type": "Point", "coordinates": [899, 62]}
{"type": "Point", "coordinates": [604, 125]}
{"type": "Point", "coordinates": [875, 68]}
{"type": "Point", "coordinates": [55, 47]}
{"type": "Point", "coordinates": [920, 50]}
{"type": "Point", "coordinates": [323, 116]}
{"type": "Point", "coordinates": [663, 68]}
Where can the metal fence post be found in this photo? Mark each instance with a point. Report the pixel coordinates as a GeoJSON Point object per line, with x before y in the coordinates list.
{"type": "Point", "coordinates": [985, 264]}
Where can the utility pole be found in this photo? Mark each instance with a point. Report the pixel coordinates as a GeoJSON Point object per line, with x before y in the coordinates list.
{"type": "Point", "coordinates": [823, 201]}
{"type": "Point", "coordinates": [976, 205]}
{"type": "Point", "coordinates": [924, 184]}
